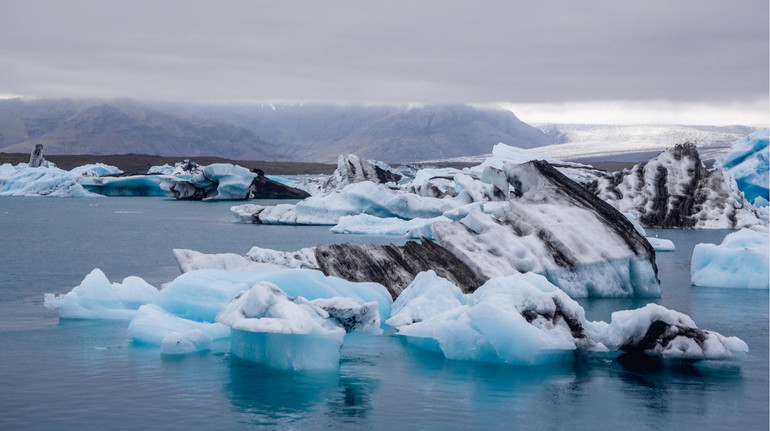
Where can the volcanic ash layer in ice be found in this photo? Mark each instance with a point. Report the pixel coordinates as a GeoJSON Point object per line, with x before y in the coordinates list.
{"type": "Point", "coordinates": [554, 227]}
{"type": "Point", "coordinates": [675, 190]}
{"type": "Point", "coordinates": [525, 320]}
{"type": "Point", "coordinates": [740, 261]}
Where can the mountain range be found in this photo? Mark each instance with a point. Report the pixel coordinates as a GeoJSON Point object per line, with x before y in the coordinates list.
{"type": "Point", "coordinates": [321, 132]}
{"type": "Point", "coordinates": [308, 133]}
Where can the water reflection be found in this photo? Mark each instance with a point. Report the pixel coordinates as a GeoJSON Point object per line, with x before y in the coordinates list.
{"type": "Point", "coordinates": [267, 396]}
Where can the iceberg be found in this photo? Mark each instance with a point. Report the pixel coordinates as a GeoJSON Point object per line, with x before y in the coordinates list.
{"type": "Point", "coordinates": [161, 170]}
{"type": "Point", "coordinates": [358, 198]}
{"type": "Point", "coordinates": [268, 326]}
{"type": "Point", "coordinates": [182, 317]}
{"type": "Point", "coordinates": [218, 180]}
{"type": "Point", "coordinates": [554, 227]}
{"type": "Point", "coordinates": [740, 261]}
{"type": "Point", "coordinates": [661, 244]}
{"type": "Point", "coordinates": [675, 190]}
{"type": "Point", "coordinates": [523, 319]}
{"type": "Point", "coordinates": [133, 185]}
{"type": "Point", "coordinates": [747, 162]}
{"type": "Point", "coordinates": [97, 298]}
{"type": "Point", "coordinates": [95, 170]}
{"type": "Point", "coordinates": [23, 180]}
{"type": "Point", "coordinates": [366, 224]}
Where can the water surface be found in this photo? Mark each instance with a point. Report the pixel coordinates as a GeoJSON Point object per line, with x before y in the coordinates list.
{"type": "Point", "coordinates": [74, 374]}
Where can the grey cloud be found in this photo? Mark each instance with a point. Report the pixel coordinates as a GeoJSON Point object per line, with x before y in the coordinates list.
{"type": "Point", "coordinates": [395, 51]}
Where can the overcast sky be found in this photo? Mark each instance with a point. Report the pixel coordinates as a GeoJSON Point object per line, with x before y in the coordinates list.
{"type": "Point", "coordinates": [541, 58]}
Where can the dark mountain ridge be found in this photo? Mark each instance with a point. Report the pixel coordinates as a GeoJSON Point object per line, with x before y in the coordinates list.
{"type": "Point", "coordinates": [306, 133]}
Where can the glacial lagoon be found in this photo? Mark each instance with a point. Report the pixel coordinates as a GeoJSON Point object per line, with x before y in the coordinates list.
{"type": "Point", "coordinates": [80, 374]}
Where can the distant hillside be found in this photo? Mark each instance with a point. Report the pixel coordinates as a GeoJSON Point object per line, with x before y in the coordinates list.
{"type": "Point", "coordinates": [123, 127]}
{"type": "Point", "coordinates": [392, 134]}
{"type": "Point", "coordinates": [303, 133]}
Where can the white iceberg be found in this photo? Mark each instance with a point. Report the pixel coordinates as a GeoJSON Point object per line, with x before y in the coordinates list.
{"type": "Point", "coordinates": [366, 224]}
{"type": "Point", "coordinates": [656, 331]}
{"type": "Point", "coordinates": [97, 298]}
{"type": "Point", "coordinates": [675, 190]}
{"type": "Point", "coordinates": [661, 244]}
{"type": "Point", "coordinates": [22, 180]}
{"type": "Point", "coordinates": [358, 198]}
{"type": "Point", "coordinates": [557, 229]}
{"type": "Point", "coordinates": [267, 326]}
{"type": "Point", "coordinates": [740, 261]}
{"type": "Point", "coordinates": [95, 170]}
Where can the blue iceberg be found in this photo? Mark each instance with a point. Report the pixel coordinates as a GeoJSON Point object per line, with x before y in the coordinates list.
{"type": "Point", "coordinates": [741, 261]}
{"type": "Point", "coordinates": [747, 161]}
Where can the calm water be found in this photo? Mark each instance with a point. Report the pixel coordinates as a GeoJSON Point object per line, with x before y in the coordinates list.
{"type": "Point", "coordinates": [88, 374]}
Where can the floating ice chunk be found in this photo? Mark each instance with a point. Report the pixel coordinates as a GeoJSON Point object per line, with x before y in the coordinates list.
{"type": "Point", "coordinates": [161, 170]}
{"type": "Point", "coordinates": [364, 197]}
{"type": "Point", "coordinates": [218, 180]}
{"type": "Point", "coordinates": [42, 181]}
{"type": "Point", "coordinates": [675, 190]}
{"type": "Point", "coordinates": [370, 225]}
{"type": "Point", "coordinates": [256, 258]}
{"type": "Point", "coordinates": [135, 185]}
{"type": "Point", "coordinates": [657, 331]}
{"type": "Point", "coordinates": [509, 319]}
{"type": "Point", "coordinates": [191, 260]}
{"type": "Point", "coordinates": [95, 170]}
{"type": "Point", "coordinates": [740, 261]}
{"type": "Point", "coordinates": [289, 333]}
{"type": "Point", "coordinates": [661, 244]}
{"type": "Point", "coordinates": [97, 298]}
{"type": "Point", "coordinates": [302, 258]}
